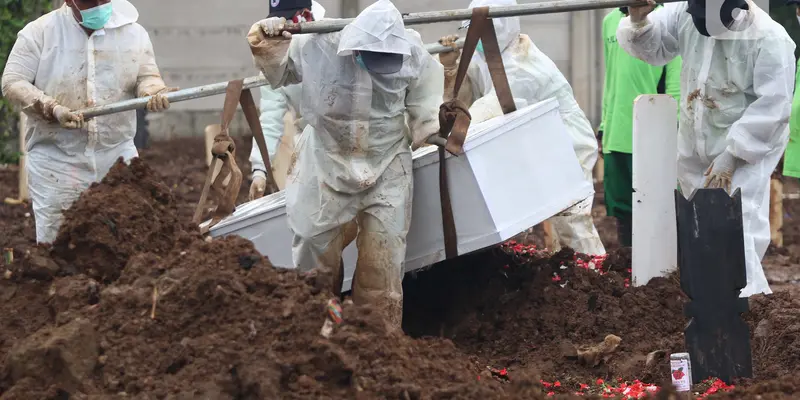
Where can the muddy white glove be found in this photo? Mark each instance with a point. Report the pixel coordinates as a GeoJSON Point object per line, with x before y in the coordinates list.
{"type": "Point", "coordinates": [720, 173]}
{"type": "Point", "coordinates": [67, 118]}
{"type": "Point", "coordinates": [159, 102]}
{"type": "Point", "coordinates": [450, 59]}
{"type": "Point", "coordinates": [259, 185]}
{"type": "Point", "coordinates": [274, 27]}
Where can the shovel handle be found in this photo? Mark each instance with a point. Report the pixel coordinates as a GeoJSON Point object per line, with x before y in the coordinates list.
{"type": "Point", "coordinates": [437, 140]}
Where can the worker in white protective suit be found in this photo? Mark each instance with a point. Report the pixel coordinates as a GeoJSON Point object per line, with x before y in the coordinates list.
{"type": "Point", "coordinates": [86, 53]}
{"type": "Point", "coordinates": [532, 77]}
{"type": "Point", "coordinates": [275, 103]}
{"type": "Point", "coordinates": [736, 96]}
{"type": "Point", "coordinates": [353, 157]}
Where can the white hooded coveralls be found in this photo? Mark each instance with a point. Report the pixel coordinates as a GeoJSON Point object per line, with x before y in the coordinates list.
{"type": "Point", "coordinates": [273, 106]}
{"type": "Point", "coordinates": [736, 96]}
{"type": "Point", "coordinates": [53, 58]}
{"type": "Point", "coordinates": [533, 77]}
{"type": "Point", "coordinates": [353, 157]}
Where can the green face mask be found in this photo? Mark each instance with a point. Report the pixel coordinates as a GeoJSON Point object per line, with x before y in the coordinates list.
{"type": "Point", "coordinates": [97, 17]}
{"type": "Point", "coordinates": [360, 61]}
{"type": "Point", "coordinates": [479, 47]}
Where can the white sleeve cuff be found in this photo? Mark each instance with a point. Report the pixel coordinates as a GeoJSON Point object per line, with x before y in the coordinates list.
{"type": "Point", "coordinates": [259, 174]}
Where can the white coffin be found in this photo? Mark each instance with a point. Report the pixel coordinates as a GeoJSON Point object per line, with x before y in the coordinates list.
{"type": "Point", "coordinates": [517, 171]}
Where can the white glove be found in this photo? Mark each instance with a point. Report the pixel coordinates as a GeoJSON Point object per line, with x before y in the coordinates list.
{"type": "Point", "coordinates": [720, 173]}
{"type": "Point", "coordinates": [274, 27]}
{"type": "Point", "coordinates": [67, 118]}
{"type": "Point", "coordinates": [259, 185]}
{"type": "Point", "coordinates": [158, 102]}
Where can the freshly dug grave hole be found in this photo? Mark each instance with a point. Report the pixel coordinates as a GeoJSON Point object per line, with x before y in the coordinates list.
{"type": "Point", "coordinates": [130, 211]}
{"type": "Point", "coordinates": [521, 312]}
{"type": "Point", "coordinates": [521, 316]}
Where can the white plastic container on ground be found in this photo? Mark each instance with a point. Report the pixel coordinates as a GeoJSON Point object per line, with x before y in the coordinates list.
{"type": "Point", "coordinates": [517, 171]}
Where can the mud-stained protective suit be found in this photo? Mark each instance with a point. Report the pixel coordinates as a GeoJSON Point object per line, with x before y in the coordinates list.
{"type": "Point", "coordinates": [736, 97]}
{"type": "Point", "coordinates": [55, 65]}
{"type": "Point", "coordinates": [353, 157]}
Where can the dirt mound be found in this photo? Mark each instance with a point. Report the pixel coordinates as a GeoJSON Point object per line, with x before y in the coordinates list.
{"type": "Point", "coordinates": [217, 321]}
{"type": "Point", "coordinates": [150, 310]}
{"type": "Point", "coordinates": [130, 211]}
{"type": "Point", "coordinates": [775, 335]}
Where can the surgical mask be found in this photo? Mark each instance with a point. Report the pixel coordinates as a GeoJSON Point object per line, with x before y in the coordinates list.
{"type": "Point", "coordinates": [360, 61]}
{"type": "Point", "coordinates": [97, 17]}
{"type": "Point", "coordinates": [479, 47]}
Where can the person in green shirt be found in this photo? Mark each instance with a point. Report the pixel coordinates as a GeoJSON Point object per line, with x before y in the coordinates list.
{"type": "Point", "coordinates": [626, 78]}
{"type": "Point", "coordinates": [791, 158]}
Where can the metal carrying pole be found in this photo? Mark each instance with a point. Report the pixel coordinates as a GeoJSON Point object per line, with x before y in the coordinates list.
{"type": "Point", "coordinates": [429, 17]}
{"type": "Point", "coordinates": [333, 25]}
{"type": "Point", "coordinates": [209, 90]}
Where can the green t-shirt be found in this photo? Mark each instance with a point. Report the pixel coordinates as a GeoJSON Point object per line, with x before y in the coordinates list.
{"type": "Point", "coordinates": [626, 78]}
{"type": "Point", "coordinates": [791, 160]}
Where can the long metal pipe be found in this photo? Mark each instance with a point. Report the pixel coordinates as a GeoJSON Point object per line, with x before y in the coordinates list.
{"type": "Point", "coordinates": [429, 17]}
{"type": "Point", "coordinates": [333, 25]}
{"type": "Point", "coordinates": [209, 90]}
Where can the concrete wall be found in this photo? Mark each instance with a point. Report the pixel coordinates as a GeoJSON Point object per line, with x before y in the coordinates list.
{"type": "Point", "coordinates": [202, 41]}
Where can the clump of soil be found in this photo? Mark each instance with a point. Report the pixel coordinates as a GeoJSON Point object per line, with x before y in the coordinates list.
{"type": "Point", "coordinates": [130, 211]}
{"type": "Point", "coordinates": [619, 260]}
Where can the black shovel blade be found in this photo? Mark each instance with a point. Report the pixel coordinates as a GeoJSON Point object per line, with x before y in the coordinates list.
{"type": "Point", "coordinates": [711, 258]}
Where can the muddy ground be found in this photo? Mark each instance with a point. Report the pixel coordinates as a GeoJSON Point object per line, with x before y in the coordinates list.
{"type": "Point", "coordinates": [150, 310]}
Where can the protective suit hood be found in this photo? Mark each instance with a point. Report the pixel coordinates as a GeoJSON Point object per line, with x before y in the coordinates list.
{"type": "Point", "coordinates": [318, 10]}
{"type": "Point", "coordinates": [507, 29]}
{"type": "Point", "coordinates": [379, 28]}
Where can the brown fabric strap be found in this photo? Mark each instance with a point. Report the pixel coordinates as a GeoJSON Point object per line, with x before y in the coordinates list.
{"type": "Point", "coordinates": [454, 120]}
{"type": "Point", "coordinates": [223, 145]}
{"type": "Point", "coordinates": [251, 115]}
{"type": "Point", "coordinates": [232, 95]}
{"type": "Point", "coordinates": [454, 117]}
{"type": "Point", "coordinates": [494, 60]}
{"type": "Point", "coordinates": [448, 219]}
